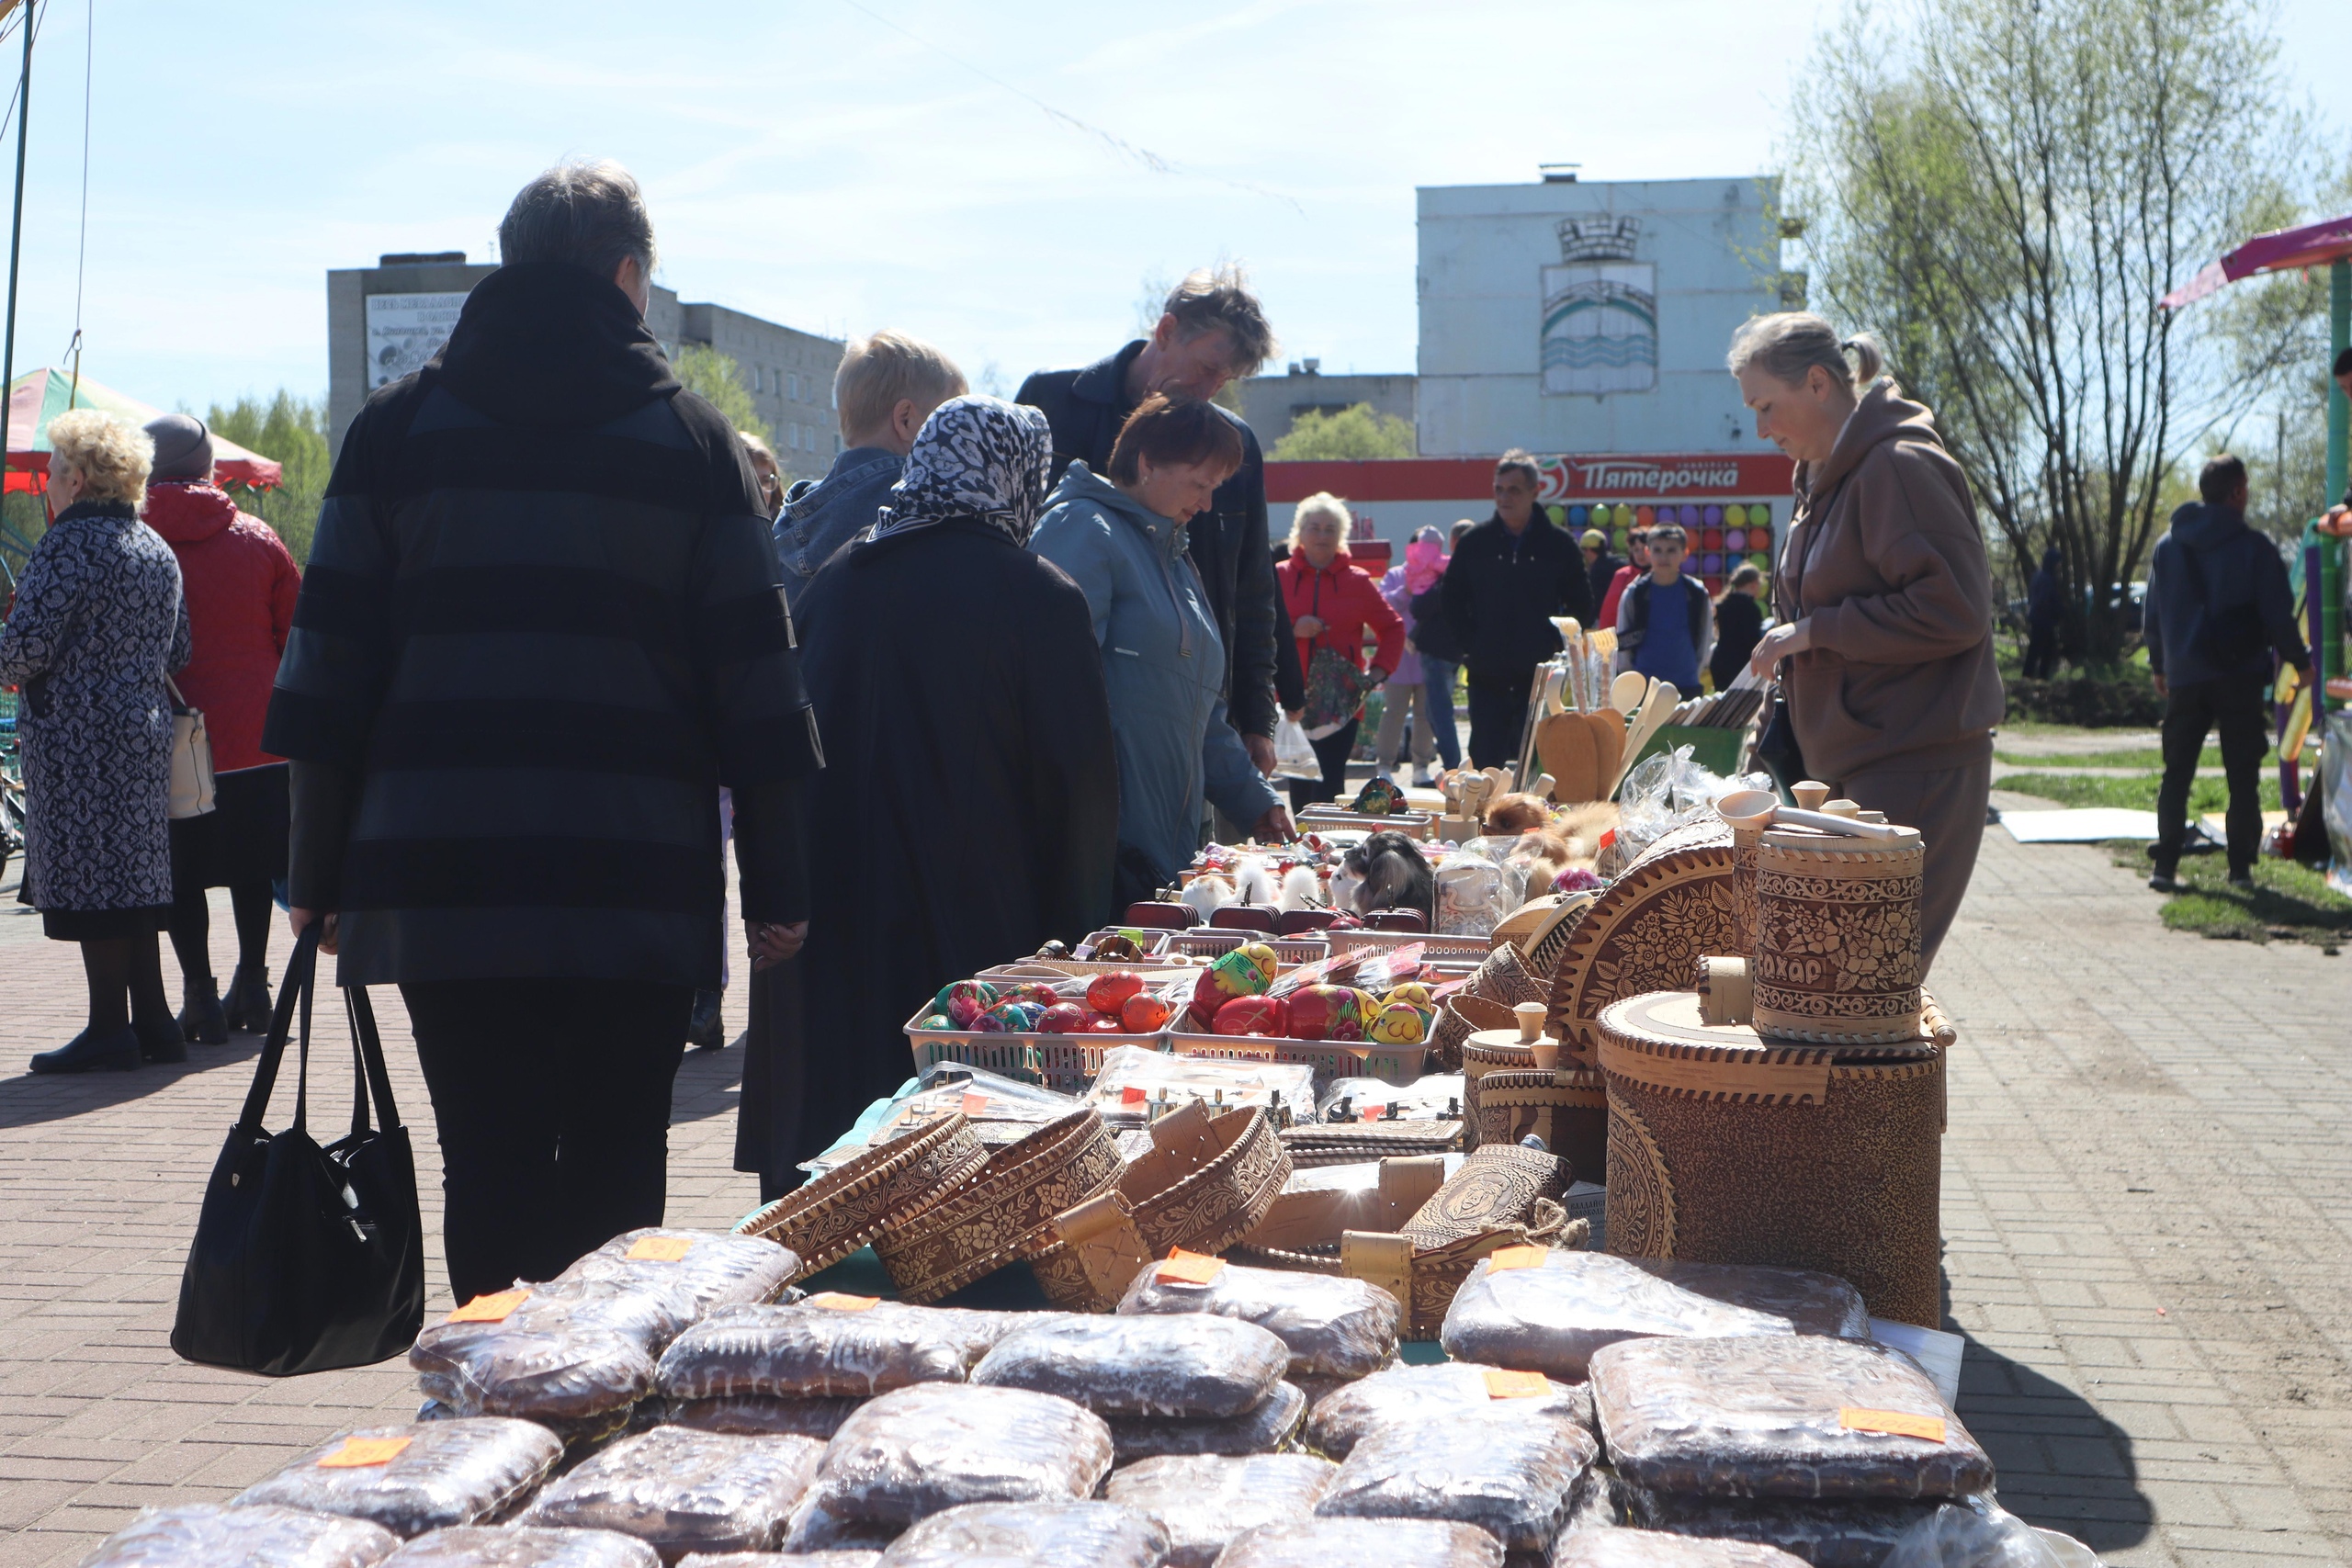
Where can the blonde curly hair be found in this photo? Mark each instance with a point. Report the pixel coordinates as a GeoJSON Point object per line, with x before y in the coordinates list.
{"type": "Point", "coordinates": [113, 457]}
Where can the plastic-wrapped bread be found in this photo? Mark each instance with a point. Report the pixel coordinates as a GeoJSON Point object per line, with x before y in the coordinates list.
{"type": "Point", "coordinates": [1511, 1477]}
{"type": "Point", "coordinates": [762, 1415]}
{"type": "Point", "coordinates": [480, 1546]}
{"type": "Point", "coordinates": [1037, 1535]}
{"type": "Point", "coordinates": [1551, 1317]}
{"type": "Point", "coordinates": [411, 1479]}
{"type": "Point", "coordinates": [1794, 1416]}
{"type": "Point", "coordinates": [1363, 1543]}
{"type": "Point", "coordinates": [1404, 1396]}
{"type": "Point", "coordinates": [1655, 1549]}
{"type": "Point", "coordinates": [921, 1451]}
{"type": "Point", "coordinates": [699, 1270]}
{"type": "Point", "coordinates": [685, 1491]}
{"type": "Point", "coordinates": [566, 1352]}
{"type": "Point", "coordinates": [1335, 1326]}
{"type": "Point", "coordinates": [1825, 1534]}
{"type": "Point", "coordinates": [830, 1346]}
{"type": "Point", "coordinates": [814, 1530]}
{"type": "Point", "coordinates": [779, 1560]}
{"type": "Point", "coordinates": [1273, 1425]}
{"type": "Point", "coordinates": [1204, 1501]}
{"type": "Point", "coordinates": [1194, 1365]}
{"type": "Point", "coordinates": [250, 1538]}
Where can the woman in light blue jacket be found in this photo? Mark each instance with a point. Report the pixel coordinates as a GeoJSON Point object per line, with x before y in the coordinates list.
{"type": "Point", "coordinates": [1122, 539]}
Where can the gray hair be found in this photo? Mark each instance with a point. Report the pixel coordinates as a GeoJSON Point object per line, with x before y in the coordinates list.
{"type": "Point", "coordinates": [586, 213]}
{"type": "Point", "coordinates": [1322, 504]}
{"type": "Point", "coordinates": [1788, 344]}
{"type": "Point", "coordinates": [1220, 299]}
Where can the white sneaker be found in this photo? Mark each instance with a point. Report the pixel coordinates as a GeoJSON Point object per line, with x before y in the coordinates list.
{"type": "Point", "coordinates": [1424, 779]}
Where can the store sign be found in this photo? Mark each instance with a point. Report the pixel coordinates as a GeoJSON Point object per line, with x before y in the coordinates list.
{"type": "Point", "coordinates": [1606, 477]}
{"type": "Point", "coordinates": [1599, 322]}
{"type": "Point", "coordinates": [406, 330]}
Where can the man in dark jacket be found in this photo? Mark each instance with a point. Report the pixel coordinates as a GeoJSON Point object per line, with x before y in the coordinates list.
{"type": "Point", "coordinates": [2045, 605]}
{"type": "Point", "coordinates": [1211, 331]}
{"type": "Point", "coordinates": [2218, 607]}
{"type": "Point", "coordinates": [1600, 565]}
{"type": "Point", "coordinates": [543, 624]}
{"type": "Point", "coordinates": [1508, 576]}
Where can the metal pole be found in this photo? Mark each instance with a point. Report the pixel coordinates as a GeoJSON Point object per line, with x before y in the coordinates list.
{"type": "Point", "coordinates": [2328, 590]}
{"type": "Point", "coordinates": [16, 236]}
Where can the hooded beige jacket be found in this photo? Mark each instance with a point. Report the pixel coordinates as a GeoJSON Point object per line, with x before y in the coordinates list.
{"type": "Point", "coordinates": [1886, 560]}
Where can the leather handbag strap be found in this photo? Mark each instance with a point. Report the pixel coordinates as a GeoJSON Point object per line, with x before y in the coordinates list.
{"type": "Point", "coordinates": [294, 992]}
{"type": "Point", "coordinates": [368, 1061]}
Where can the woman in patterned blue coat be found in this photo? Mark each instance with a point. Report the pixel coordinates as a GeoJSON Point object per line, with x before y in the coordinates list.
{"type": "Point", "coordinates": [98, 625]}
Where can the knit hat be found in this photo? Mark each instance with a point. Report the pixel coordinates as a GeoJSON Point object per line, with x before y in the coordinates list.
{"type": "Point", "coordinates": [1595, 539]}
{"type": "Point", "coordinates": [183, 448]}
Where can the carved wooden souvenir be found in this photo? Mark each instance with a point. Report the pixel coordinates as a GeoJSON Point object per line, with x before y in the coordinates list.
{"type": "Point", "coordinates": [1673, 905]}
{"type": "Point", "coordinates": [1838, 936]}
{"type": "Point", "coordinates": [1728, 1148]}
{"type": "Point", "coordinates": [848, 1206]}
{"type": "Point", "coordinates": [1004, 1212]}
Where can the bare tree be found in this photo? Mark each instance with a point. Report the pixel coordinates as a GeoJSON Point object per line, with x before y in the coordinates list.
{"type": "Point", "coordinates": [2004, 189]}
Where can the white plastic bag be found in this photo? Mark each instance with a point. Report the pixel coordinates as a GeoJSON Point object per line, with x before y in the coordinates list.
{"type": "Point", "coordinates": [1294, 754]}
{"type": "Point", "coordinates": [1981, 1534]}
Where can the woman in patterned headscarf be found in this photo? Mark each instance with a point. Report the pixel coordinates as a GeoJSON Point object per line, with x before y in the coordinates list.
{"type": "Point", "coordinates": [968, 809]}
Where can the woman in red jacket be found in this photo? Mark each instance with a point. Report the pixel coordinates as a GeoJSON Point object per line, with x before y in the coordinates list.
{"type": "Point", "coordinates": [240, 585]}
{"type": "Point", "coordinates": [1331, 603]}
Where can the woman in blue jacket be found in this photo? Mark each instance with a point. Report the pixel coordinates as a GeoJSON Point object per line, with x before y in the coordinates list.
{"type": "Point", "coordinates": [1122, 539]}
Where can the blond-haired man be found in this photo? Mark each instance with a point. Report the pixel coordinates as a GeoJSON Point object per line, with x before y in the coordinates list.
{"type": "Point", "coordinates": [886, 385]}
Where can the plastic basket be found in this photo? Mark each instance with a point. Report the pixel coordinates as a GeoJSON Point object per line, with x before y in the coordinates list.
{"type": "Point", "coordinates": [1445, 952]}
{"type": "Point", "coordinates": [1216, 941]}
{"type": "Point", "coordinates": [1065, 1063]}
{"type": "Point", "coordinates": [1328, 1059]}
{"type": "Point", "coordinates": [1336, 819]}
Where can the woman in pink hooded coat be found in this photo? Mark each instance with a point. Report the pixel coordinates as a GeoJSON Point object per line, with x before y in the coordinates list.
{"type": "Point", "coordinates": [1421, 686]}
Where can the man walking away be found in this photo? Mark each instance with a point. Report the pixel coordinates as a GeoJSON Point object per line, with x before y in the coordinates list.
{"type": "Point", "coordinates": [2218, 607]}
{"type": "Point", "coordinates": [1508, 576]}
{"type": "Point", "coordinates": [1664, 629]}
{"type": "Point", "coordinates": [542, 624]}
{"type": "Point", "coordinates": [2044, 603]}
{"type": "Point", "coordinates": [1601, 563]}
{"type": "Point", "coordinates": [885, 387]}
{"type": "Point", "coordinates": [1211, 331]}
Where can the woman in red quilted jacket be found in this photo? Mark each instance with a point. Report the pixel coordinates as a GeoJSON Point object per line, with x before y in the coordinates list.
{"type": "Point", "coordinates": [240, 585]}
{"type": "Point", "coordinates": [1332, 602]}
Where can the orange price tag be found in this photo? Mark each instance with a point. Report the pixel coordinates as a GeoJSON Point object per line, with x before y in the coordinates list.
{"type": "Point", "coordinates": [357, 1453]}
{"type": "Point", "coordinates": [1131, 1095]}
{"type": "Point", "coordinates": [1895, 1423]}
{"type": "Point", "coordinates": [494, 1308]}
{"type": "Point", "coordinates": [1516, 1386]}
{"type": "Point", "coordinates": [1504, 1258]}
{"type": "Point", "coordinates": [658, 1248]}
{"type": "Point", "coordinates": [1191, 1267]}
{"type": "Point", "coordinates": [974, 1103]}
{"type": "Point", "coordinates": [834, 1301]}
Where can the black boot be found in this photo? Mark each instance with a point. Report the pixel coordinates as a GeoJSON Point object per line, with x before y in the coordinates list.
{"type": "Point", "coordinates": [162, 1040]}
{"type": "Point", "coordinates": [705, 1031]}
{"type": "Point", "coordinates": [248, 1004]}
{"type": "Point", "coordinates": [202, 1019]}
{"type": "Point", "coordinates": [117, 1051]}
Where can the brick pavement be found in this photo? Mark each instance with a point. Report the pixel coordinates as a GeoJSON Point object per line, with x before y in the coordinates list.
{"type": "Point", "coordinates": [2147, 1209]}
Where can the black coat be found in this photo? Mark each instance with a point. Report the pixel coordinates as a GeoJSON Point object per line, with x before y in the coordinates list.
{"type": "Point", "coordinates": [1604, 567]}
{"type": "Point", "coordinates": [970, 805]}
{"type": "Point", "coordinates": [1433, 628]}
{"type": "Point", "coordinates": [1739, 627]}
{"type": "Point", "coordinates": [1227, 542]}
{"type": "Point", "coordinates": [1502, 594]}
{"type": "Point", "coordinates": [542, 623]}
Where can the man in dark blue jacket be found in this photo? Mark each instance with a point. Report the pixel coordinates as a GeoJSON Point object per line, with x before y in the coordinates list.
{"type": "Point", "coordinates": [1508, 576]}
{"type": "Point", "coordinates": [2218, 608]}
{"type": "Point", "coordinates": [1211, 331]}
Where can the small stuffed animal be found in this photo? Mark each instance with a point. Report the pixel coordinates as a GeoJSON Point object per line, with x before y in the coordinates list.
{"type": "Point", "coordinates": [1396, 875]}
{"type": "Point", "coordinates": [1302, 889]}
{"type": "Point", "coordinates": [1205, 895]}
{"type": "Point", "coordinates": [1519, 813]}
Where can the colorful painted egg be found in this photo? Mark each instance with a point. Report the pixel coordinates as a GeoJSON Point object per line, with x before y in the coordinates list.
{"type": "Point", "coordinates": [1066, 1018]}
{"type": "Point", "coordinates": [985, 1023]}
{"type": "Point", "coordinates": [965, 1000]}
{"type": "Point", "coordinates": [1325, 1012]}
{"type": "Point", "coordinates": [937, 1021]}
{"type": "Point", "coordinates": [1246, 971]}
{"type": "Point", "coordinates": [1142, 1014]}
{"type": "Point", "coordinates": [1411, 991]}
{"type": "Point", "coordinates": [1398, 1023]}
{"type": "Point", "coordinates": [1018, 1018]}
{"type": "Point", "coordinates": [1108, 992]}
{"type": "Point", "coordinates": [1254, 1015]}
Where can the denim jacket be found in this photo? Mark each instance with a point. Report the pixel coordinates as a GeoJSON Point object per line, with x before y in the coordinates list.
{"type": "Point", "coordinates": [819, 518]}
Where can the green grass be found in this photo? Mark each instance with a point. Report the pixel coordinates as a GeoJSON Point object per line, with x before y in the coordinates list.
{"type": "Point", "coordinates": [2136, 795]}
{"type": "Point", "coordinates": [2014, 726]}
{"type": "Point", "coordinates": [2290, 902]}
{"type": "Point", "coordinates": [2147, 757]}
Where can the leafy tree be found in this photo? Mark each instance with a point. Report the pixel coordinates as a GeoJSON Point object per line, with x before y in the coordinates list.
{"type": "Point", "coordinates": [718, 378]}
{"type": "Point", "coordinates": [1352, 434]}
{"type": "Point", "coordinates": [2004, 189]}
{"type": "Point", "coordinates": [292, 431]}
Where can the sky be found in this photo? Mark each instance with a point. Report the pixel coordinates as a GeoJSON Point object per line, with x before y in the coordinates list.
{"type": "Point", "coordinates": [1002, 179]}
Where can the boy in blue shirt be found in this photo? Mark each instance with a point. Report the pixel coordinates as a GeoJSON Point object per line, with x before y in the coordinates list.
{"type": "Point", "coordinates": [1664, 625]}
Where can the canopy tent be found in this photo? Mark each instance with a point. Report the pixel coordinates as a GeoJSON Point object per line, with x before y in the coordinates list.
{"type": "Point", "coordinates": [39, 396]}
{"type": "Point", "coordinates": [2282, 250]}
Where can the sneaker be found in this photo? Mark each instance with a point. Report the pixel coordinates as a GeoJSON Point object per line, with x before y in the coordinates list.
{"type": "Point", "coordinates": [2162, 882]}
{"type": "Point", "coordinates": [202, 1017]}
{"type": "Point", "coordinates": [117, 1052]}
{"type": "Point", "coordinates": [1424, 779]}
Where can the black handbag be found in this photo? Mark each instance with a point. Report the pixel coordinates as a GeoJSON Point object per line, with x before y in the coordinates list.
{"type": "Point", "coordinates": [1776, 747]}
{"type": "Point", "coordinates": [307, 1259]}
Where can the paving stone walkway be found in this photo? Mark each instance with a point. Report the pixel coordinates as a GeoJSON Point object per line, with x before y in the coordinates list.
{"type": "Point", "coordinates": [2147, 1212]}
